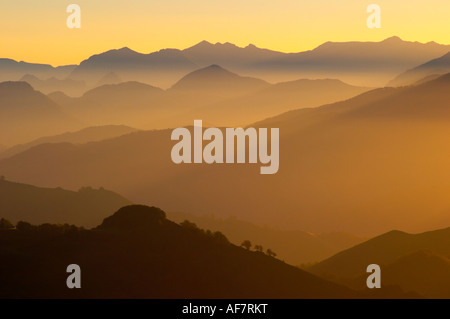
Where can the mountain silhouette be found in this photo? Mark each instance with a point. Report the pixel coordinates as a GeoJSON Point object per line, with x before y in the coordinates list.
{"type": "Point", "coordinates": [87, 207]}
{"type": "Point", "coordinates": [214, 79]}
{"type": "Point", "coordinates": [138, 253]}
{"type": "Point", "coordinates": [26, 114]}
{"type": "Point", "coordinates": [432, 69]}
{"type": "Point", "coordinates": [415, 262]}
{"type": "Point", "coordinates": [359, 63]}
{"type": "Point", "coordinates": [89, 134]}
{"type": "Point", "coordinates": [423, 272]}
{"type": "Point", "coordinates": [159, 67]}
{"type": "Point", "coordinates": [364, 63]}
{"type": "Point", "coordinates": [228, 55]}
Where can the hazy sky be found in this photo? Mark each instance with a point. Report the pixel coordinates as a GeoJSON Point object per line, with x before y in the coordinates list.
{"type": "Point", "coordinates": [36, 31]}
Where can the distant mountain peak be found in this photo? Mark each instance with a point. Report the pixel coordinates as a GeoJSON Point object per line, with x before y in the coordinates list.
{"type": "Point", "coordinates": [214, 76]}
{"type": "Point", "coordinates": [204, 42]}
{"type": "Point", "coordinates": [214, 67]}
{"type": "Point", "coordinates": [201, 45]}
{"type": "Point", "coordinates": [29, 77]}
{"type": "Point", "coordinates": [211, 69]}
{"type": "Point", "coordinates": [393, 39]}
{"type": "Point", "coordinates": [205, 45]}
{"type": "Point", "coordinates": [125, 49]}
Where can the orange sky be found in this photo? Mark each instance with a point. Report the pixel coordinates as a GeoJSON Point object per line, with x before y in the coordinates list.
{"type": "Point", "coordinates": [36, 31]}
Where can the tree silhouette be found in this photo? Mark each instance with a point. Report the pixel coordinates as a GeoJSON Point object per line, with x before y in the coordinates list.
{"type": "Point", "coordinates": [259, 248]}
{"type": "Point", "coordinates": [189, 225]}
{"type": "Point", "coordinates": [24, 226]}
{"type": "Point", "coordinates": [5, 224]}
{"type": "Point", "coordinates": [271, 253]}
{"type": "Point", "coordinates": [247, 244]}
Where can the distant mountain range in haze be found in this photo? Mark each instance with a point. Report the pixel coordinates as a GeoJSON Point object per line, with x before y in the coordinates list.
{"type": "Point", "coordinates": [214, 94]}
{"type": "Point", "coordinates": [11, 70]}
{"type": "Point", "coordinates": [339, 163]}
{"type": "Point", "coordinates": [358, 63]}
{"type": "Point", "coordinates": [218, 96]}
{"type": "Point", "coordinates": [26, 114]}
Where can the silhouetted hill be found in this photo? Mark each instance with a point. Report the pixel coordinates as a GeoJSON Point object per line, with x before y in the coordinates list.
{"type": "Point", "coordinates": [60, 98]}
{"type": "Point", "coordinates": [89, 134]}
{"type": "Point", "coordinates": [432, 68]}
{"type": "Point", "coordinates": [138, 253]}
{"type": "Point", "coordinates": [215, 79]}
{"type": "Point", "coordinates": [402, 259]}
{"type": "Point", "coordinates": [55, 205]}
{"type": "Point", "coordinates": [127, 103]}
{"type": "Point", "coordinates": [26, 114]}
{"type": "Point", "coordinates": [423, 272]}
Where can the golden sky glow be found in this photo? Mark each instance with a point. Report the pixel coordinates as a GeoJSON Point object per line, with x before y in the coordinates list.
{"type": "Point", "coordinates": [36, 31]}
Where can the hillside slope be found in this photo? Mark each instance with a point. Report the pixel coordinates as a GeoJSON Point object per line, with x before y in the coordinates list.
{"type": "Point", "coordinates": [138, 253]}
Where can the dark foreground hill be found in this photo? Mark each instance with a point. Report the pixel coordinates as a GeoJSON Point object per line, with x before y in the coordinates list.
{"type": "Point", "coordinates": [138, 253]}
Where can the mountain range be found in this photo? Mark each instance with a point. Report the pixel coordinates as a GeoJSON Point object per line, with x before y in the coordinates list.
{"type": "Point", "coordinates": [360, 63]}
{"type": "Point", "coordinates": [216, 95]}
{"type": "Point", "coordinates": [26, 113]}
{"type": "Point", "coordinates": [11, 70]}
{"type": "Point", "coordinates": [377, 161]}
{"type": "Point", "coordinates": [369, 64]}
